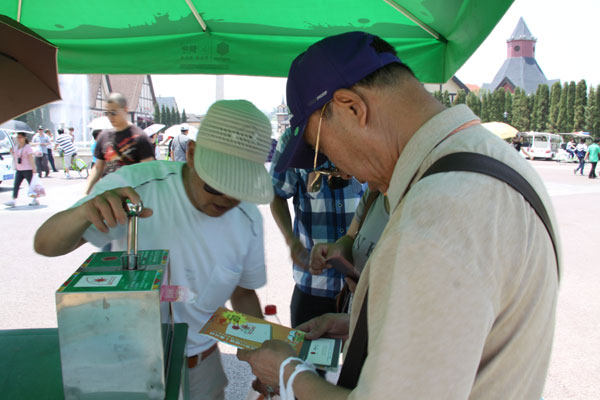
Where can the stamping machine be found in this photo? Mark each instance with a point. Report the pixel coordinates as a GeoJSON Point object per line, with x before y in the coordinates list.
{"type": "Point", "coordinates": [115, 342]}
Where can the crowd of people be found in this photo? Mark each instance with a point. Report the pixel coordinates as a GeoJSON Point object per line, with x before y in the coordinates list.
{"type": "Point", "coordinates": [577, 150]}
{"type": "Point", "coordinates": [584, 153]}
{"type": "Point", "coordinates": [37, 158]}
{"type": "Point", "coordinates": [459, 271]}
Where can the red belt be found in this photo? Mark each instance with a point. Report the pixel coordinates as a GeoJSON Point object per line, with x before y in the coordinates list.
{"type": "Point", "coordinates": [193, 361]}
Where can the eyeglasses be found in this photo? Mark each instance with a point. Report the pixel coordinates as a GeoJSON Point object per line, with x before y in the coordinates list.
{"type": "Point", "coordinates": [321, 172]}
{"type": "Point", "coordinates": [111, 113]}
{"type": "Point", "coordinates": [211, 190]}
{"type": "Point", "coordinates": [334, 181]}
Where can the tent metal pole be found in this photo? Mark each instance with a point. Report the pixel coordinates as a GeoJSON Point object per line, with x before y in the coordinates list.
{"type": "Point", "coordinates": [417, 21]}
{"type": "Point", "coordinates": [196, 14]}
{"type": "Point", "coordinates": [19, 11]}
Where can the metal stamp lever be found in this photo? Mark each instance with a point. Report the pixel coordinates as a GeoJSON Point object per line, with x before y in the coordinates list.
{"type": "Point", "coordinates": [130, 259]}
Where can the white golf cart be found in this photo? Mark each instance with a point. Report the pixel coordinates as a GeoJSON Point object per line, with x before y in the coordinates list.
{"type": "Point", "coordinates": [540, 145]}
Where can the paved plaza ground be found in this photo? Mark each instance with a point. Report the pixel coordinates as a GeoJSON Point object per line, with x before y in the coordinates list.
{"type": "Point", "coordinates": [29, 280]}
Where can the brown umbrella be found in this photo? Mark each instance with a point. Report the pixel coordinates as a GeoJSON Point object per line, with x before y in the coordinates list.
{"type": "Point", "coordinates": [28, 72]}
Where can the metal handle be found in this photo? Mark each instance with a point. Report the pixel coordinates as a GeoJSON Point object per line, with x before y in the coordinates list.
{"type": "Point", "coordinates": [130, 259]}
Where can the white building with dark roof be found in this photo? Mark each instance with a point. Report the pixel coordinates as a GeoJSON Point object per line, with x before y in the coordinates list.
{"type": "Point", "coordinates": [138, 92]}
{"type": "Point", "coordinates": [452, 86]}
{"type": "Point", "coordinates": [84, 99]}
{"type": "Point", "coordinates": [520, 69]}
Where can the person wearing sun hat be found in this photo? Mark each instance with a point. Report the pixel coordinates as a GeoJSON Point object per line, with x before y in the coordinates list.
{"type": "Point", "coordinates": [179, 144]}
{"type": "Point", "coordinates": [458, 298]}
{"type": "Point", "coordinates": [202, 211]}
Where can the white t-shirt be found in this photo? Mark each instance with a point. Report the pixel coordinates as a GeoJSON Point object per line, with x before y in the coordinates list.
{"type": "Point", "coordinates": [209, 255]}
{"type": "Point", "coordinates": [581, 147]}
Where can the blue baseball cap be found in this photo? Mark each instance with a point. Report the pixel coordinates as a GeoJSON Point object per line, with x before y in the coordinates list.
{"type": "Point", "coordinates": [330, 64]}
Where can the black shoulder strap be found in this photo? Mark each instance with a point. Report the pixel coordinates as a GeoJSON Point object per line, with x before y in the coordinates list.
{"type": "Point", "coordinates": [482, 164]}
{"type": "Point", "coordinates": [179, 143]}
{"type": "Point", "coordinates": [468, 162]}
{"type": "Point", "coordinates": [357, 350]}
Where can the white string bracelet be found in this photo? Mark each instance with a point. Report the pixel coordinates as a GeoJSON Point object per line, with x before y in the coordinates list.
{"type": "Point", "coordinates": [282, 392]}
{"type": "Point", "coordinates": [305, 366]}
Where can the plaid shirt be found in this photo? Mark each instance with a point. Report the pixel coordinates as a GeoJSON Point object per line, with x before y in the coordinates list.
{"type": "Point", "coordinates": [320, 217]}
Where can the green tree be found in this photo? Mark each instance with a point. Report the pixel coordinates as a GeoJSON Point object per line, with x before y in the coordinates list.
{"type": "Point", "coordinates": [446, 99]}
{"type": "Point", "coordinates": [554, 107]}
{"type": "Point", "coordinates": [460, 98]}
{"type": "Point", "coordinates": [571, 93]}
{"type": "Point", "coordinates": [175, 113]}
{"type": "Point", "coordinates": [169, 117]}
{"type": "Point", "coordinates": [562, 121]}
{"type": "Point", "coordinates": [474, 103]}
{"type": "Point", "coordinates": [183, 116]}
{"type": "Point", "coordinates": [438, 95]}
{"type": "Point", "coordinates": [534, 109]}
{"type": "Point", "coordinates": [580, 103]}
{"type": "Point", "coordinates": [598, 105]}
{"type": "Point", "coordinates": [541, 108]}
{"type": "Point", "coordinates": [508, 102]}
{"type": "Point", "coordinates": [530, 104]}
{"type": "Point", "coordinates": [156, 114]}
{"type": "Point", "coordinates": [521, 111]}
{"type": "Point", "coordinates": [497, 105]}
{"type": "Point", "coordinates": [486, 106]}
{"type": "Point", "coordinates": [592, 114]}
{"type": "Point", "coordinates": [163, 115]}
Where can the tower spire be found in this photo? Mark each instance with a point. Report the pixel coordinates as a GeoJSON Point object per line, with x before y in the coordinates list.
{"type": "Point", "coordinates": [521, 32]}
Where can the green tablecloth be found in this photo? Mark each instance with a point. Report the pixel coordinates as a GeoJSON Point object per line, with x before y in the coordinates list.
{"type": "Point", "coordinates": [30, 364]}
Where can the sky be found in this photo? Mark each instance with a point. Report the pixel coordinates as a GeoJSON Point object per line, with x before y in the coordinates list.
{"type": "Point", "coordinates": [565, 50]}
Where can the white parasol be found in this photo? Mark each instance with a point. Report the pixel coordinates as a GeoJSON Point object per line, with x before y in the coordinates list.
{"type": "Point", "coordinates": [100, 123]}
{"type": "Point", "coordinates": [154, 128]}
{"type": "Point", "coordinates": [176, 130]}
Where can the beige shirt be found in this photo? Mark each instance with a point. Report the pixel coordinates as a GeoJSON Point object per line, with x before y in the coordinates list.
{"type": "Point", "coordinates": [463, 282]}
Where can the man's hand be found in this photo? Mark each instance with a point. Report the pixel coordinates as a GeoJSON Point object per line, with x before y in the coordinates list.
{"type": "Point", "coordinates": [266, 390]}
{"type": "Point", "coordinates": [321, 252]}
{"type": "Point", "coordinates": [265, 361]}
{"type": "Point", "coordinates": [299, 253]}
{"type": "Point", "coordinates": [106, 210]}
{"type": "Point", "coordinates": [327, 325]}
{"type": "Point", "coordinates": [63, 232]}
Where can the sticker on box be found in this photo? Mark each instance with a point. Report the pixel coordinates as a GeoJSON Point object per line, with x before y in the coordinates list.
{"type": "Point", "coordinates": [99, 281]}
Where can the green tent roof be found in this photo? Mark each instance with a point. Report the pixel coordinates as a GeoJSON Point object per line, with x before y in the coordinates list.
{"type": "Point", "coordinates": [252, 37]}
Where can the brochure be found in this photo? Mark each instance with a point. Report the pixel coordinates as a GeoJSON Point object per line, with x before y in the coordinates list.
{"type": "Point", "coordinates": [247, 332]}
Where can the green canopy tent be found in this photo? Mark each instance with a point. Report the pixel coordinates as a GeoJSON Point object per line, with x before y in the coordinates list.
{"type": "Point", "coordinates": [252, 37]}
